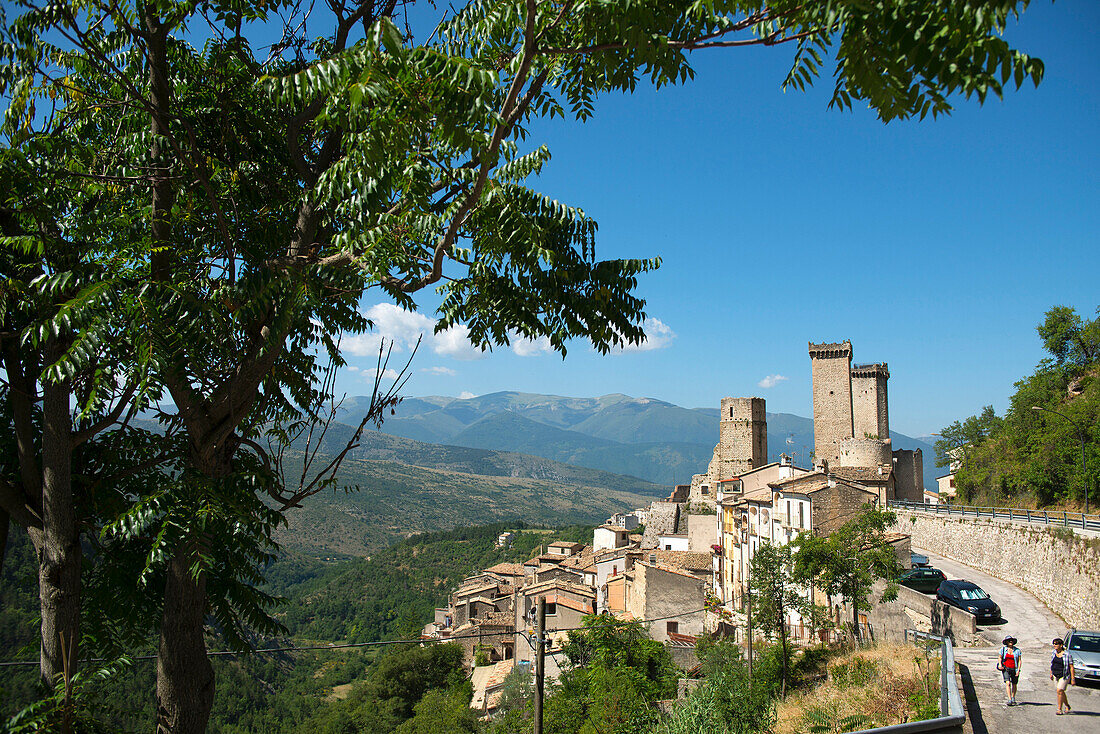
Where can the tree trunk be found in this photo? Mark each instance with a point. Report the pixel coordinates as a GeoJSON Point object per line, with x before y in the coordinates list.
{"type": "Point", "coordinates": [783, 644]}
{"type": "Point", "coordinates": [185, 678]}
{"type": "Point", "coordinates": [5, 523]}
{"type": "Point", "coordinates": [60, 555]}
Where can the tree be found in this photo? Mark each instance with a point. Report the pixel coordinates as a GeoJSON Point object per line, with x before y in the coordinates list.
{"type": "Point", "coordinates": [615, 674]}
{"type": "Point", "coordinates": [775, 596]}
{"type": "Point", "coordinates": [1071, 341]}
{"type": "Point", "coordinates": [849, 561]}
{"type": "Point", "coordinates": [959, 438]}
{"type": "Point", "coordinates": [266, 189]}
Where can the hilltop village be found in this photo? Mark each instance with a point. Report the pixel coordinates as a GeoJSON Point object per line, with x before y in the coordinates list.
{"type": "Point", "coordinates": [680, 565]}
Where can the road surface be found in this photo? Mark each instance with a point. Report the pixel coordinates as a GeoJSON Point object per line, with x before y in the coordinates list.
{"type": "Point", "coordinates": [1029, 621]}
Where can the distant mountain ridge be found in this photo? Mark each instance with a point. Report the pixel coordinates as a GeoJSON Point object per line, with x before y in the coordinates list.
{"type": "Point", "coordinates": [643, 437]}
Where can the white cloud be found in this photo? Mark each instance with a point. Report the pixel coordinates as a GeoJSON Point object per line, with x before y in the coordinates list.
{"type": "Point", "coordinates": [439, 371]}
{"type": "Point", "coordinates": [403, 328]}
{"type": "Point", "coordinates": [455, 343]}
{"type": "Point", "coordinates": [531, 347]}
{"type": "Point", "coordinates": [771, 381]}
{"type": "Point", "coordinates": [658, 335]}
{"type": "Point", "coordinates": [387, 374]}
{"type": "Point", "coordinates": [466, 395]}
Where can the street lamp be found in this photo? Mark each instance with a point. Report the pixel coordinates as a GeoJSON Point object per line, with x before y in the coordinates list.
{"type": "Point", "coordinates": [1080, 435]}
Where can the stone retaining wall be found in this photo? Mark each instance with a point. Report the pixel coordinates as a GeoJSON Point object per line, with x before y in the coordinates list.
{"type": "Point", "coordinates": [917, 611]}
{"type": "Point", "coordinates": [1063, 571]}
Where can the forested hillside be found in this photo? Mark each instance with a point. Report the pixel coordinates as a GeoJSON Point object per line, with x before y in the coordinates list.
{"type": "Point", "coordinates": [1033, 457]}
{"type": "Point", "coordinates": [389, 596]}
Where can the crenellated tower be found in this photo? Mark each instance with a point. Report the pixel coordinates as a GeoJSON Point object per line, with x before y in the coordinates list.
{"type": "Point", "coordinates": [832, 387]}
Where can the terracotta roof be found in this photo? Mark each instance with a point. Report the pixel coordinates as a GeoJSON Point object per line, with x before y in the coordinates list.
{"type": "Point", "coordinates": [688, 560]}
{"type": "Point", "coordinates": [499, 673]}
{"type": "Point", "coordinates": [576, 588]}
{"type": "Point", "coordinates": [495, 619]}
{"type": "Point", "coordinates": [614, 528]}
{"type": "Point", "coordinates": [863, 474]}
{"type": "Point", "coordinates": [802, 483]}
{"type": "Point", "coordinates": [679, 640]}
{"type": "Point", "coordinates": [564, 544]}
{"type": "Point", "coordinates": [507, 569]}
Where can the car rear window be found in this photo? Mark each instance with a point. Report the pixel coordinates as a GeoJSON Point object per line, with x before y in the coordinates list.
{"type": "Point", "coordinates": [1084, 643]}
{"type": "Point", "coordinates": [971, 594]}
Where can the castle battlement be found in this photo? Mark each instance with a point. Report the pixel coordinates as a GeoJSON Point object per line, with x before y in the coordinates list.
{"type": "Point", "coordinates": [878, 369]}
{"type": "Point", "coordinates": [831, 349]}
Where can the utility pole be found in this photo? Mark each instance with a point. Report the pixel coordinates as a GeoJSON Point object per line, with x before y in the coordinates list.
{"type": "Point", "coordinates": [540, 663]}
{"type": "Point", "coordinates": [749, 620]}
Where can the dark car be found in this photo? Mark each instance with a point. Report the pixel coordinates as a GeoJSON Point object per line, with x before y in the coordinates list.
{"type": "Point", "coordinates": [1084, 646]}
{"type": "Point", "coordinates": [927, 580]}
{"type": "Point", "coordinates": [969, 597]}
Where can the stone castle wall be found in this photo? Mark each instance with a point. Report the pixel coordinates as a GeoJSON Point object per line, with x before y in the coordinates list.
{"type": "Point", "coordinates": [1063, 572]}
{"type": "Point", "coordinates": [909, 475]}
{"type": "Point", "coordinates": [832, 392]}
{"type": "Point", "coordinates": [866, 452]}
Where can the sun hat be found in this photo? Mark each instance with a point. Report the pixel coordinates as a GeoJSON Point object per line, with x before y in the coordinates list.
{"type": "Point", "coordinates": [1058, 641]}
{"type": "Point", "coordinates": [1008, 639]}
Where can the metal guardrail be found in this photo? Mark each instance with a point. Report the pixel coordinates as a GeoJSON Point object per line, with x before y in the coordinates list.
{"type": "Point", "coordinates": [952, 714]}
{"type": "Point", "coordinates": [1012, 514]}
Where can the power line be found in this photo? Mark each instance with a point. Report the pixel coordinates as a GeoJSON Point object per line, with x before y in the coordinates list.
{"type": "Point", "coordinates": [379, 643]}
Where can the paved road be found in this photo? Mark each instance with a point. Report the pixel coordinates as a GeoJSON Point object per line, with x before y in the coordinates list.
{"type": "Point", "coordinates": [1028, 620]}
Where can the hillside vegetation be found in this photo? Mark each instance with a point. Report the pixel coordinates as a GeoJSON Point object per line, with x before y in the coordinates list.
{"type": "Point", "coordinates": [388, 501]}
{"type": "Point", "coordinates": [389, 596]}
{"type": "Point", "coordinates": [1032, 457]}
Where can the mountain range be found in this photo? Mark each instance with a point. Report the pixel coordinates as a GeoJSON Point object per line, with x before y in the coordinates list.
{"type": "Point", "coordinates": [646, 438]}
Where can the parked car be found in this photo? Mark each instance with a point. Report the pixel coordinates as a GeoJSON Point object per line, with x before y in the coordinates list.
{"type": "Point", "coordinates": [1085, 648]}
{"type": "Point", "coordinates": [917, 560]}
{"type": "Point", "coordinates": [969, 597]}
{"type": "Point", "coordinates": [927, 580]}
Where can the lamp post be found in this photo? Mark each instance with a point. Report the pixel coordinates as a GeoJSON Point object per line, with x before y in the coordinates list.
{"type": "Point", "coordinates": [1081, 436]}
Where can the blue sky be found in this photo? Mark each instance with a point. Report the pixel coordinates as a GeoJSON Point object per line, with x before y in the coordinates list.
{"type": "Point", "coordinates": [935, 246]}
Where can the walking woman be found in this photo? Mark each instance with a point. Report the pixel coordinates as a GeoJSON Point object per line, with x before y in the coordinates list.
{"type": "Point", "coordinates": [1062, 673]}
{"type": "Point", "coordinates": [1009, 665]}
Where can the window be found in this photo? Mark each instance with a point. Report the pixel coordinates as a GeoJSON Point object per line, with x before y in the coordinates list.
{"type": "Point", "coordinates": [551, 608]}
{"type": "Point", "coordinates": [788, 512]}
{"type": "Point", "coordinates": [802, 514]}
{"type": "Point", "coordinates": [706, 489]}
{"type": "Point", "coordinates": [668, 546]}
{"type": "Point", "coordinates": [672, 627]}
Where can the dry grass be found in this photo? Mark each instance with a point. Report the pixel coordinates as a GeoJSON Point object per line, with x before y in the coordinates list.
{"type": "Point", "coordinates": [884, 693]}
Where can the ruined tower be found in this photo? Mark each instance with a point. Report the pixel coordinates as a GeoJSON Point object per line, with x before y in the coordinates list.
{"type": "Point", "coordinates": [832, 388]}
{"type": "Point", "coordinates": [742, 436]}
{"type": "Point", "coordinates": [870, 411]}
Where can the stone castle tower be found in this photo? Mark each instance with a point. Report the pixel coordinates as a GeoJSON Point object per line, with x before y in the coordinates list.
{"type": "Point", "coordinates": [870, 407]}
{"type": "Point", "coordinates": [832, 389]}
{"type": "Point", "coordinates": [742, 446]}
{"type": "Point", "coordinates": [852, 420]}
{"type": "Point", "coordinates": [742, 437]}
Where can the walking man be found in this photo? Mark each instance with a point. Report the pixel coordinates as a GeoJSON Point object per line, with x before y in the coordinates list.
{"type": "Point", "coordinates": [1062, 673]}
{"type": "Point", "coordinates": [1009, 665]}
